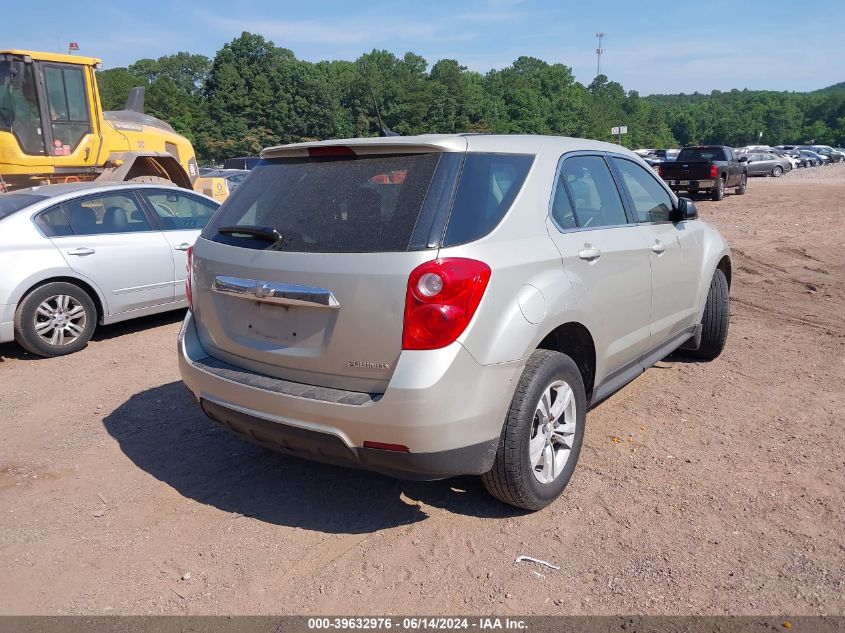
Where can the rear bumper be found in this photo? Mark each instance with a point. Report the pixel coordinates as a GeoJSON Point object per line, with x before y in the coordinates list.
{"type": "Point", "coordinates": [328, 448]}
{"type": "Point", "coordinates": [441, 404]}
{"type": "Point", "coordinates": [688, 185]}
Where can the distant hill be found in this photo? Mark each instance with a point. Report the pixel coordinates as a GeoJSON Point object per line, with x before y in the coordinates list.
{"type": "Point", "coordinates": [840, 87]}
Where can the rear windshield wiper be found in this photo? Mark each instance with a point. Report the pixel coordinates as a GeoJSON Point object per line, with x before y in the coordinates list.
{"type": "Point", "coordinates": [267, 233]}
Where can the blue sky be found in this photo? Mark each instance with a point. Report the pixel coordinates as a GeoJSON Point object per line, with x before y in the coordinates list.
{"type": "Point", "coordinates": [651, 45]}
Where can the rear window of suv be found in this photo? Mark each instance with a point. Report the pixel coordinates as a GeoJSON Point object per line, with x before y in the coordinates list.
{"type": "Point", "coordinates": [371, 203]}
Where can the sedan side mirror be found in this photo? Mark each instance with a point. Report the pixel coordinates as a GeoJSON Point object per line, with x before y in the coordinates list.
{"type": "Point", "coordinates": [744, 159]}
{"type": "Point", "coordinates": [684, 211]}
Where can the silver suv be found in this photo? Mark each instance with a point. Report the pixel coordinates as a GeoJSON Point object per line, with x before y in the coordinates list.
{"type": "Point", "coordinates": [434, 306]}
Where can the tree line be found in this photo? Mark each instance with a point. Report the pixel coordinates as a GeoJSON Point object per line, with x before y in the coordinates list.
{"type": "Point", "coordinates": [253, 94]}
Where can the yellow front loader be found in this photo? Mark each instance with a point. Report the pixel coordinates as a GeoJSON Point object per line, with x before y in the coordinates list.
{"type": "Point", "coordinates": [53, 128]}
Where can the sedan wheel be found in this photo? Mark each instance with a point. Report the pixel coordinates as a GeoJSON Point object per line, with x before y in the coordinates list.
{"type": "Point", "coordinates": [60, 320]}
{"type": "Point", "coordinates": [777, 171]}
{"type": "Point", "coordinates": [55, 319]}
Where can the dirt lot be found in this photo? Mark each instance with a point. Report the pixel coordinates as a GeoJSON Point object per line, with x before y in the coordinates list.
{"type": "Point", "coordinates": [702, 488]}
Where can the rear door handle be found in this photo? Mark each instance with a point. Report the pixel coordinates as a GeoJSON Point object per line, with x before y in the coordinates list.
{"type": "Point", "coordinates": [182, 247]}
{"type": "Point", "coordinates": [81, 251]}
{"type": "Point", "coordinates": [658, 248]}
{"type": "Point", "coordinates": [590, 253]}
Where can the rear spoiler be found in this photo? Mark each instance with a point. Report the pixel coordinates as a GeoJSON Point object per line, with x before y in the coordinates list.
{"type": "Point", "coordinates": [364, 146]}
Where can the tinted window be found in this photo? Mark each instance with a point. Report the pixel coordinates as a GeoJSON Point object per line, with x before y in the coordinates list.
{"type": "Point", "coordinates": [597, 201]}
{"type": "Point", "coordinates": [54, 223]}
{"type": "Point", "coordinates": [701, 153]}
{"type": "Point", "coordinates": [651, 201]}
{"type": "Point", "coordinates": [179, 210]}
{"type": "Point", "coordinates": [115, 213]}
{"type": "Point", "coordinates": [488, 186]}
{"type": "Point", "coordinates": [347, 203]}
{"type": "Point", "coordinates": [562, 211]}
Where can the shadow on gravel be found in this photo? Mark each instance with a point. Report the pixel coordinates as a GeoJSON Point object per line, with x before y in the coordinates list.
{"type": "Point", "coordinates": [163, 431]}
{"type": "Point", "coordinates": [103, 333]}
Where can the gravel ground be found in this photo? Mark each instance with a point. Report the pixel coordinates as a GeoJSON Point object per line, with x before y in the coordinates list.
{"type": "Point", "coordinates": [703, 488]}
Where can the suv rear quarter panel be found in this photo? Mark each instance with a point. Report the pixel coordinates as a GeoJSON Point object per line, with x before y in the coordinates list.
{"type": "Point", "coordinates": [522, 257]}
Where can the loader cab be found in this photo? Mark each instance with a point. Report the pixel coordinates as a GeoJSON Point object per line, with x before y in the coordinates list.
{"type": "Point", "coordinates": [47, 106]}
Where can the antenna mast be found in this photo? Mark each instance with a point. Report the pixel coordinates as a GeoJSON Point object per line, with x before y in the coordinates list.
{"type": "Point", "coordinates": [600, 35]}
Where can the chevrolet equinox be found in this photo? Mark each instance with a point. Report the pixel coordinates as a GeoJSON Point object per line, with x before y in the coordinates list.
{"type": "Point", "coordinates": [434, 306]}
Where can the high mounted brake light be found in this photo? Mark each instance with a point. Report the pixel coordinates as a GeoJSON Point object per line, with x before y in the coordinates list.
{"type": "Point", "coordinates": [330, 150]}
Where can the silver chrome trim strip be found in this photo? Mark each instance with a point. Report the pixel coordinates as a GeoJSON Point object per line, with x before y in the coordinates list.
{"type": "Point", "coordinates": [278, 293]}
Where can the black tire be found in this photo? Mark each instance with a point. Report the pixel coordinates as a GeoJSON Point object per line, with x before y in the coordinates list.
{"type": "Point", "coordinates": [718, 190]}
{"type": "Point", "coordinates": [26, 317]}
{"type": "Point", "coordinates": [714, 324]}
{"type": "Point", "coordinates": [777, 171]}
{"type": "Point", "coordinates": [155, 180]}
{"type": "Point", "coordinates": [743, 185]}
{"type": "Point", "coordinates": [512, 478]}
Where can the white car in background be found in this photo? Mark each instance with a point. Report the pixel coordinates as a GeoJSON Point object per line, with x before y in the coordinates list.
{"type": "Point", "coordinates": [80, 254]}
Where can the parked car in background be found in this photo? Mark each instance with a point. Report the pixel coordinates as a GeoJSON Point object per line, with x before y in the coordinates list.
{"type": "Point", "coordinates": [653, 162]}
{"type": "Point", "coordinates": [811, 158]}
{"type": "Point", "coordinates": [656, 156]}
{"type": "Point", "coordinates": [711, 168]}
{"type": "Point", "coordinates": [435, 306]}
{"type": "Point", "coordinates": [80, 254]}
{"type": "Point", "coordinates": [820, 159]}
{"type": "Point", "coordinates": [828, 152]}
{"type": "Point", "coordinates": [220, 183]}
{"type": "Point", "coordinates": [793, 162]}
{"type": "Point", "coordinates": [662, 154]}
{"type": "Point", "coordinates": [766, 164]}
{"type": "Point", "coordinates": [802, 161]}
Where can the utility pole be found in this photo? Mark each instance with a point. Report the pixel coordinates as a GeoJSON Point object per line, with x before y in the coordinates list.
{"type": "Point", "coordinates": [599, 52]}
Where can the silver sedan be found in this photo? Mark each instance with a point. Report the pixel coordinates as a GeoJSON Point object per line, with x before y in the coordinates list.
{"type": "Point", "coordinates": [76, 255]}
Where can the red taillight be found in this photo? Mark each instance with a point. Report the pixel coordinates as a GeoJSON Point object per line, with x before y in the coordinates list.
{"type": "Point", "coordinates": [441, 299]}
{"type": "Point", "coordinates": [189, 277]}
{"type": "Point", "coordinates": [714, 171]}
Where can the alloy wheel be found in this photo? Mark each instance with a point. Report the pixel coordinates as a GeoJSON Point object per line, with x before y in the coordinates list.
{"type": "Point", "coordinates": [60, 320]}
{"type": "Point", "coordinates": [552, 432]}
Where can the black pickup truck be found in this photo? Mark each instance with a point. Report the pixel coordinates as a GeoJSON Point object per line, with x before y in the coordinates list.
{"type": "Point", "coordinates": [712, 168]}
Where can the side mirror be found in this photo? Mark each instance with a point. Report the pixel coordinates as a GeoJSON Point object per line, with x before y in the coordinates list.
{"type": "Point", "coordinates": [744, 159]}
{"type": "Point", "coordinates": [684, 211]}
